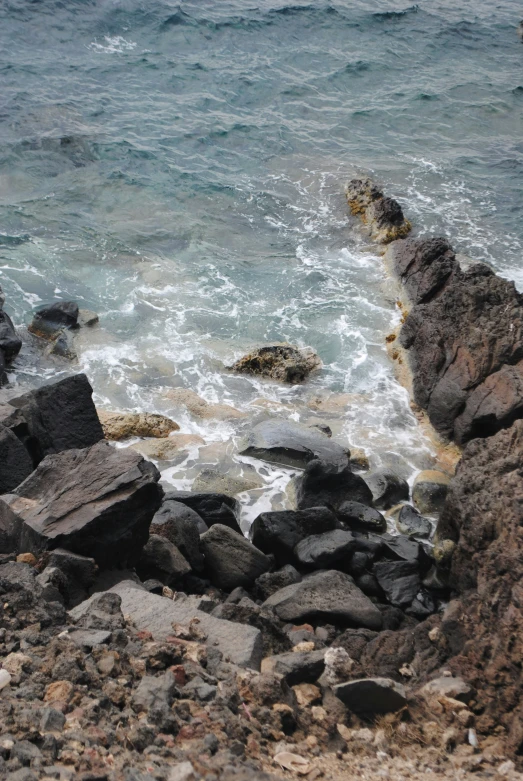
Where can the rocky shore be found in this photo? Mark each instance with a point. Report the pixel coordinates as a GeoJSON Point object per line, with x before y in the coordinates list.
{"type": "Point", "coordinates": [144, 636]}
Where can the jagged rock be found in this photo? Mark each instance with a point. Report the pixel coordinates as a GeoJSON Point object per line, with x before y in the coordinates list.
{"type": "Point", "coordinates": [181, 526]}
{"type": "Point", "coordinates": [278, 533]}
{"type": "Point", "coordinates": [212, 508]}
{"type": "Point", "coordinates": [387, 488]}
{"type": "Point", "coordinates": [10, 342]}
{"type": "Point", "coordinates": [423, 266]}
{"type": "Point", "coordinates": [330, 596]}
{"type": "Point", "coordinates": [97, 502]}
{"type": "Point", "coordinates": [281, 362]}
{"type": "Point", "coordinates": [161, 559]}
{"type": "Point", "coordinates": [399, 580]}
{"type": "Point", "coordinates": [270, 582]}
{"type": "Point", "coordinates": [430, 491]}
{"type": "Point", "coordinates": [325, 550]}
{"type": "Point", "coordinates": [361, 193]}
{"type": "Point", "coordinates": [59, 416]}
{"type": "Point", "coordinates": [102, 611]}
{"type": "Point", "coordinates": [230, 559]}
{"type": "Point", "coordinates": [152, 691]}
{"type": "Point", "coordinates": [372, 696]}
{"type": "Point", "coordinates": [49, 320]}
{"type": "Point", "coordinates": [123, 425]}
{"type": "Point", "coordinates": [296, 667]}
{"type": "Point", "coordinates": [360, 516]}
{"type": "Point", "coordinates": [330, 485]}
{"type": "Point", "coordinates": [291, 444]}
{"type": "Point", "coordinates": [411, 523]}
{"type": "Point", "coordinates": [385, 221]}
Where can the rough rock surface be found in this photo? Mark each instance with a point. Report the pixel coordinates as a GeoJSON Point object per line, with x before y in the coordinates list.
{"type": "Point", "coordinates": [330, 485]}
{"type": "Point", "coordinates": [359, 516]}
{"type": "Point", "coordinates": [291, 444]}
{"type": "Point", "coordinates": [372, 696]}
{"type": "Point", "coordinates": [464, 337]}
{"type": "Point", "coordinates": [96, 501]}
{"type": "Point", "coordinates": [278, 533]}
{"type": "Point", "coordinates": [230, 559]}
{"type": "Point", "coordinates": [383, 216]}
{"type": "Point", "coordinates": [49, 320]}
{"type": "Point", "coordinates": [281, 362]}
{"type": "Point", "coordinates": [325, 550]}
{"type": "Point", "coordinates": [122, 425]}
{"type": "Point", "coordinates": [162, 560]}
{"type": "Point", "coordinates": [181, 526]}
{"type": "Point", "coordinates": [430, 490]}
{"type": "Point", "coordinates": [212, 508]}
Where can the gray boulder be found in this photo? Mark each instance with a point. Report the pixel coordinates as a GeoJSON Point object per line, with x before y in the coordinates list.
{"type": "Point", "coordinates": [161, 559]}
{"type": "Point", "coordinates": [278, 533]}
{"type": "Point", "coordinates": [372, 696]}
{"type": "Point", "coordinates": [296, 666]}
{"type": "Point", "coordinates": [387, 488]}
{"type": "Point", "coordinates": [325, 550]}
{"type": "Point", "coordinates": [270, 582]}
{"type": "Point", "coordinates": [212, 508]}
{"type": "Point", "coordinates": [97, 502]}
{"type": "Point", "coordinates": [230, 559]}
{"type": "Point", "coordinates": [291, 444]}
{"type": "Point", "coordinates": [329, 485]}
{"type": "Point", "coordinates": [153, 691]}
{"type": "Point", "coordinates": [329, 596]}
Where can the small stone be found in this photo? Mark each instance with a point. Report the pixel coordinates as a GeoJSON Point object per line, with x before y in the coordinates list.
{"type": "Point", "coordinates": [430, 491]}
{"type": "Point", "coordinates": [306, 694]}
{"type": "Point", "coordinates": [27, 558]}
{"type": "Point", "coordinates": [16, 663]}
{"type": "Point", "coordinates": [506, 768]}
{"type": "Point", "coordinates": [59, 691]}
{"type": "Point", "coordinates": [184, 771]}
{"type": "Point", "coordinates": [52, 720]}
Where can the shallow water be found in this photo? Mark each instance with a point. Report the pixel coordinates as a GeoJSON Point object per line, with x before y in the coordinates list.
{"type": "Point", "coordinates": [179, 168]}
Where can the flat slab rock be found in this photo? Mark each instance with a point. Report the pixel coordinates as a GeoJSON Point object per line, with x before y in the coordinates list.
{"type": "Point", "coordinates": [330, 596]}
{"type": "Point", "coordinates": [97, 501]}
{"type": "Point", "coordinates": [291, 444]}
{"type": "Point", "coordinates": [240, 643]}
{"type": "Point", "coordinates": [372, 696]}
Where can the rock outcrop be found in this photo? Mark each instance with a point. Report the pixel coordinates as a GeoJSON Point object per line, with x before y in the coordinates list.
{"type": "Point", "coordinates": [291, 444]}
{"type": "Point", "coordinates": [281, 362]}
{"type": "Point", "coordinates": [123, 425]}
{"type": "Point", "coordinates": [382, 216]}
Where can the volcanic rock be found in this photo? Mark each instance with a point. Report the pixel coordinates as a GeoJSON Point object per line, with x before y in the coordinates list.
{"type": "Point", "coordinates": [122, 425]}
{"type": "Point", "coordinates": [399, 580]}
{"type": "Point", "coordinates": [411, 523]}
{"type": "Point", "coordinates": [330, 596]}
{"type": "Point", "coordinates": [230, 559]}
{"type": "Point", "coordinates": [326, 550]}
{"type": "Point", "coordinates": [49, 320]}
{"type": "Point", "coordinates": [181, 526]}
{"type": "Point", "coordinates": [387, 488]}
{"type": "Point", "coordinates": [372, 696]}
{"type": "Point", "coordinates": [330, 485]}
{"type": "Point", "coordinates": [161, 559]}
{"type": "Point", "coordinates": [291, 444]}
{"type": "Point", "coordinates": [212, 508]}
{"type": "Point", "coordinates": [270, 582]}
{"type": "Point", "coordinates": [281, 362]}
{"type": "Point", "coordinates": [96, 501]}
{"type": "Point", "coordinates": [295, 666]}
{"type": "Point", "coordinates": [15, 462]}
{"type": "Point", "coordinates": [278, 533]}
{"type": "Point", "coordinates": [430, 491]}
{"type": "Point", "coordinates": [360, 516]}
{"type": "Point", "coordinates": [383, 216]}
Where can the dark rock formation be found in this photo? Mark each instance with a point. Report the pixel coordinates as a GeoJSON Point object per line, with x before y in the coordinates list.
{"type": "Point", "coordinates": [212, 508]}
{"type": "Point", "coordinates": [399, 580]}
{"type": "Point", "coordinates": [326, 550]}
{"type": "Point", "coordinates": [291, 444]}
{"type": "Point", "coordinates": [49, 320]}
{"type": "Point", "coordinates": [387, 488]}
{"type": "Point", "coordinates": [230, 559]}
{"type": "Point", "coordinates": [412, 523]}
{"type": "Point", "coordinates": [270, 582]}
{"type": "Point", "coordinates": [96, 501]}
{"type": "Point", "coordinates": [383, 216]}
{"type": "Point", "coordinates": [330, 485]}
{"type": "Point", "coordinates": [360, 516]}
{"type": "Point", "coordinates": [182, 526]}
{"type": "Point", "coordinates": [281, 362]}
{"type": "Point", "coordinates": [279, 532]}
{"type": "Point", "coordinates": [372, 696]}
{"type": "Point", "coordinates": [161, 559]}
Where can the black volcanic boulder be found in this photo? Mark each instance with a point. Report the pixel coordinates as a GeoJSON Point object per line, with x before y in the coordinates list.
{"type": "Point", "coordinates": [59, 416]}
{"type": "Point", "coordinates": [279, 532]}
{"type": "Point", "coordinates": [15, 462]}
{"type": "Point", "coordinates": [360, 516]}
{"type": "Point", "coordinates": [10, 342]}
{"type": "Point", "coordinates": [230, 559]}
{"type": "Point", "coordinates": [399, 580]}
{"type": "Point", "coordinates": [211, 507]}
{"type": "Point", "coordinates": [49, 320]}
{"type": "Point", "coordinates": [291, 444]}
{"type": "Point", "coordinates": [326, 550]}
{"type": "Point", "coordinates": [387, 488]}
{"type": "Point", "coordinates": [329, 485]}
{"type": "Point", "coordinates": [97, 501]}
{"type": "Point", "coordinates": [162, 560]}
{"type": "Point", "coordinates": [181, 526]}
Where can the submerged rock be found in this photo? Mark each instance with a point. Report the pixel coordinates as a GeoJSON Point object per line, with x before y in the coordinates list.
{"type": "Point", "coordinates": [383, 216]}
{"type": "Point", "coordinates": [201, 408]}
{"type": "Point", "coordinates": [168, 448]}
{"type": "Point", "coordinates": [123, 425]}
{"type": "Point", "coordinates": [213, 481]}
{"type": "Point", "coordinates": [49, 320]}
{"type": "Point", "coordinates": [281, 362]}
{"type": "Point", "coordinates": [291, 444]}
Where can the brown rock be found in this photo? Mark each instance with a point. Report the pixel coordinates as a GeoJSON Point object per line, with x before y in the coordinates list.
{"type": "Point", "coordinates": [123, 425]}
{"type": "Point", "coordinates": [26, 558]}
{"type": "Point", "coordinates": [281, 362]}
{"type": "Point", "coordinates": [59, 691]}
{"type": "Point", "coordinates": [167, 448]}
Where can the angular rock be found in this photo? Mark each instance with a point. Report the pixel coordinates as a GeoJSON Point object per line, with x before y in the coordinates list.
{"type": "Point", "coordinates": [385, 221]}
{"type": "Point", "coordinates": [152, 691]}
{"type": "Point", "coordinates": [97, 502]}
{"type": "Point", "coordinates": [60, 416]}
{"type": "Point", "coordinates": [161, 559]}
{"type": "Point", "coordinates": [123, 425]}
{"type": "Point", "coordinates": [326, 550]}
{"type": "Point", "coordinates": [296, 667]}
{"type": "Point", "coordinates": [430, 491]}
{"type": "Point", "coordinates": [456, 688]}
{"type": "Point", "coordinates": [330, 596]}
{"type": "Point", "coordinates": [399, 580]}
{"type": "Point", "coordinates": [360, 516]}
{"type": "Point", "coordinates": [270, 582]}
{"type": "Point", "coordinates": [372, 696]}
{"type": "Point", "coordinates": [411, 523]}
{"type": "Point", "coordinates": [181, 526]}
{"type": "Point", "coordinates": [15, 462]}
{"type": "Point", "coordinates": [278, 533]}
{"type": "Point", "coordinates": [281, 362]}
{"type": "Point", "coordinates": [10, 342]}
{"type": "Point", "coordinates": [49, 320]}
{"type": "Point", "coordinates": [212, 508]}
{"type": "Point", "coordinates": [423, 266]}
{"type": "Point", "coordinates": [329, 485]}
{"type": "Point", "coordinates": [361, 193]}
{"type": "Point", "coordinates": [387, 488]}
{"type": "Point", "coordinates": [230, 559]}
{"type": "Point", "coordinates": [291, 444]}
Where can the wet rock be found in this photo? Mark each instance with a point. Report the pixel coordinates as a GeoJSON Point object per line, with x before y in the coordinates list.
{"type": "Point", "coordinates": [212, 481]}
{"type": "Point", "coordinates": [63, 346]}
{"type": "Point", "coordinates": [411, 523]}
{"type": "Point", "coordinates": [330, 485]}
{"type": "Point", "coordinates": [385, 221]}
{"type": "Point", "coordinates": [387, 488]}
{"type": "Point", "coordinates": [372, 696]}
{"type": "Point", "coordinates": [161, 559]}
{"type": "Point", "coordinates": [361, 193]}
{"type": "Point", "coordinates": [278, 533]}
{"type": "Point", "coordinates": [423, 266]}
{"type": "Point", "coordinates": [167, 448]}
{"type": "Point", "coordinates": [281, 362]}
{"type": "Point", "coordinates": [325, 550]}
{"type": "Point", "coordinates": [201, 408]}
{"type": "Point", "coordinates": [181, 526]}
{"type": "Point", "coordinates": [296, 667]}
{"type": "Point", "coordinates": [230, 559]}
{"type": "Point", "coordinates": [330, 596]}
{"type": "Point", "coordinates": [212, 508]}
{"type": "Point", "coordinates": [59, 416]}
{"type": "Point", "coordinates": [270, 582]}
{"type": "Point", "coordinates": [87, 318]}
{"type": "Point", "coordinates": [48, 321]}
{"type": "Point", "coordinates": [15, 462]}
{"type": "Point", "coordinates": [97, 502]}
{"type": "Point", "coordinates": [291, 444]}
{"type": "Point", "coordinates": [430, 491]}
{"type": "Point", "coordinates": [123, 425]}
{"type": "Point", "coordinates": [399, 580]}
{"type": "Point", "coordinates": [360, 516]}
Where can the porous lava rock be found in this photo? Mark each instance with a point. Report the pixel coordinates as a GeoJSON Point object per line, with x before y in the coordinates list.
{"type": "Point", "coordinates": [281, 362]}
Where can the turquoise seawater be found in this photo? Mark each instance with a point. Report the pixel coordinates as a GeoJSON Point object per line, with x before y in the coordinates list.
{"type": "Point", "coordinates": [179, 168]}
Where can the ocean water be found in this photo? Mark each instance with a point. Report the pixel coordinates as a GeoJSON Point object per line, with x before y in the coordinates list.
{"type": "Point", "coordinates": [179, 168]}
